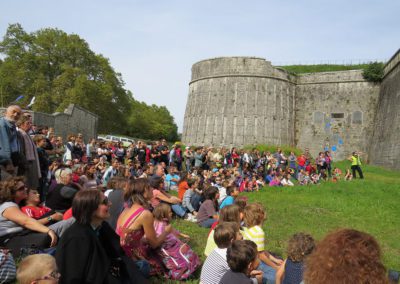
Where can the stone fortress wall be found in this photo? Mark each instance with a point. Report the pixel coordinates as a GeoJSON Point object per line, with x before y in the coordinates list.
{"type": "Point", "coordinates": [385, 142]}
{"type": "Point", "coordinates": [72, 121]}
{"type": "Point", "coordinates": [237, 101]}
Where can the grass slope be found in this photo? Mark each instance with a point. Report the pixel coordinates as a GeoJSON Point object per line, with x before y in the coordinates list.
{"type": "Point", "coordinates": [299, 69]}
{"type": "Point", "coordinates": [370, 205]}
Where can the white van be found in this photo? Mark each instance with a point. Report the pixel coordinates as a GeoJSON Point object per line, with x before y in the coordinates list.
{"type": "Point", "coordinates": [125, 141]}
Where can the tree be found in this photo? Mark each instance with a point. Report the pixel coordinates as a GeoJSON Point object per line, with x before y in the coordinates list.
{"type": "Point", "coordinates": [59, 68]}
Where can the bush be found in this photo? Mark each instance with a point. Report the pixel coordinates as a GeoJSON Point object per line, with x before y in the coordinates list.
{"type": "Point", "coordinates": [373, 72]}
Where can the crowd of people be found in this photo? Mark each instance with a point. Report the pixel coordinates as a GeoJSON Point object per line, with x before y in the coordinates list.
{"type": "Point", "coordinates": [114, 205]}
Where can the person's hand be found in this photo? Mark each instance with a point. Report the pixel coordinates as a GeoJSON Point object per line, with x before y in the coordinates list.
{"type": "Point", "coordinates": [257, 274]}
{"type": "Point", "coordinates": [53, 238]}
{"type": "Point", "coordinates": [186, 237]}
{"type": "Point", "coordinates": [194, 213]}
{"type": "Point", "coordinates": [57, 216]}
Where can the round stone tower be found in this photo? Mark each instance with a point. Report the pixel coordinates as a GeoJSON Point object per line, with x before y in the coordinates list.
{"type": "Point", "coordinates": [237, 101]}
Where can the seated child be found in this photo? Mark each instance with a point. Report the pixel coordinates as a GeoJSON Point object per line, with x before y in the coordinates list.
{"type": "Point", "coordinates": [178, 257]}
{"type": "Point", "coordinates": [232, 192]}
{"type": "Point", "coordinates": [189, 198]}
{"type": "Point", "coordinates": [36, 268]}
{"type": "Point", "coordinates": [336, 174]}
{"type": "Point", "coordinates": [230, 213]}
{"type": "Point", "coordinates": [242, 261]}
{"type": "Point", "coordinates": [207, 214]}
{"type": "Point", "coordinates": [286, 180]}
{"type": "Point", "coordinates": [34, 209]}
{"type": "Point", "coordinates": [254, 216]}
{"type": "Point", "coordinates": [215, 265]}
{"type": "Point", "coordinates": [348, 175]}
{"type": "Point", "coordinates": [276, 181]}
{"type": "Point", "coordinates": [299, 247]}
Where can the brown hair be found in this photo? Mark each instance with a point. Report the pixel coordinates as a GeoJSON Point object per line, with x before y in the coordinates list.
{"type": "Point", "coordinates": [240, 254]}
{"type": "Point", "coordinates": [300, 245]}
{"type": "Point", "coordinates": [70, 136]}
{"type": "Point", "coordinates": [241, 201]}
{"type": "Point", "coordinates": [135, 190]}
{"type": "Point", "coordinates": [230, 213]}
{"type": "Point", "coordinates": [38, 137]}
{"type": "Point", "coordinates": [254, 214]}
{"type": "Point", "coordinates": [346, 256]}
{"type": "Point", "coordinates": [161, 212]}
{"type": "Point", "coordinates": [85, 203]}
{"type": "Point", "coordinates": [225, 233]}
{"type": "Point", "coordinates": [22, 119]}
{"type": "Point", "coordinates": [8, 188]}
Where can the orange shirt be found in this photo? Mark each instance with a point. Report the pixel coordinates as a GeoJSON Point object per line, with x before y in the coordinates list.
{"type": "Point", "coordinates": [182, 187]}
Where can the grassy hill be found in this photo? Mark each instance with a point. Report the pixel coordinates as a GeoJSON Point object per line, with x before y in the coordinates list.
{"type": "Point", "coordinates": [298, 69]}
{"type": "Point", "coordinates": [370, 205]}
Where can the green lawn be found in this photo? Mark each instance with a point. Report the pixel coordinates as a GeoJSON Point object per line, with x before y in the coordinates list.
{"type": "Point", "coordinates": [370, 205]}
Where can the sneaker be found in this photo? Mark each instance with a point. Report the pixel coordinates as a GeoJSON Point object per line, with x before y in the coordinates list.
{"type": "Point", "coordinates": [189, 217]}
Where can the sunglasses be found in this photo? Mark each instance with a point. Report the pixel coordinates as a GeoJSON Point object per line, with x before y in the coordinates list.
{"type": "Point", "coordinates": [53, 275]}
{"type": "Point", "coordinates": [21, 188]}
{"type": "Point", "coordinates": [105, 201]}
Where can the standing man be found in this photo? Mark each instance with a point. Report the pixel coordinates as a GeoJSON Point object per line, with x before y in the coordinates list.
{"type": "Point", "coordinates": [356, 164]}
{"type": "Point", "coordinates": [9, 146]}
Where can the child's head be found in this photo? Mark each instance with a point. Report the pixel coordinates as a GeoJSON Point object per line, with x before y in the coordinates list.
{"type": "Point", "coordinates": [232, 191]}
{"type": "Point", "coordinates": [191, 182]}
{"type": "Point", "coordinates": [241, 201]}
{"type": "Point", "coordinates": [33, 197]}
{"type": "Point", "coordinates": [230, 213]}
{"type": "Point", "coordinates": [300, 245]}
{"type": "Point", "coordinates": [37, 267]}
{"type": "Point", "coordinates": [254, 215]}
{"type": "Point", "coordinates": [241, 256]}
{"type": "Point", "coordinates": [211, 193]}
{"type": "Point", "coordinates": [225, 233]}
{"type": "Point", "coordinates": [162, 212]}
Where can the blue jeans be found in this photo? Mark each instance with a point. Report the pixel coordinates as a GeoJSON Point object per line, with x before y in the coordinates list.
{"type": "Point", "coordinates": [195, 201]}
{"type": "Point", "coordinates": [207, 223]}
{"type": "Point", "coordinates": [178, 210]}
{"type": "Point", "coordinates": [269, 273]}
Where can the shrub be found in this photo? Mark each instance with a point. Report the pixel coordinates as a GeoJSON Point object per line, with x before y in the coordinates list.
{"type": "Point", "coordinates": [373, 72]}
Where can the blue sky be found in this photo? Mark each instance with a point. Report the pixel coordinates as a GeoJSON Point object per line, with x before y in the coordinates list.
{"type": "Point", "coordinates": [153, 44]}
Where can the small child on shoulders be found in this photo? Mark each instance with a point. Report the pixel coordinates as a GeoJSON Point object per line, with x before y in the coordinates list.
{"type": "Point", "coordinates": [299, 247]}
{"type": "Point", "coordinates": [242, 260]}
{"type": "Point", "coordinates": [215, 265]}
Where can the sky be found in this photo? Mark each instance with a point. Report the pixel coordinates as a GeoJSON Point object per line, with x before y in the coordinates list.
{"type": "Point", "coordinates": [154, 43]}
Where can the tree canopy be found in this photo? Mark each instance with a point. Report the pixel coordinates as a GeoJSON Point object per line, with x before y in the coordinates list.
{"type": "Point", "coordinates": [59, 68]}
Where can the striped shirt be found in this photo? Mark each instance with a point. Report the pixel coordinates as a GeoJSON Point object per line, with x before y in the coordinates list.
{"type": "Point", "coordinates": [255, 234]}
{"type": "Point", "coordinates": [214, 267]}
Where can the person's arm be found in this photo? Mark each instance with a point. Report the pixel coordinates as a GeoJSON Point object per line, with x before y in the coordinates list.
{"type": "Point", "coordinates": [280, 273]}
{"type": "Point", "coordinates": [266, 258]}
{"type": "Point", "coordinates": [14, 214]}
{"type": "Point", "coordinates": [167, 199]}
{"type": "Point", "coordinates": [148, 227]}
{"type": "Point", "coordinates": [56, 217]}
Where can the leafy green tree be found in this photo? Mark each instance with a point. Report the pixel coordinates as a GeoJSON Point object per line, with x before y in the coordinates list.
{"type": "Point", "coordinates": [59, 68]}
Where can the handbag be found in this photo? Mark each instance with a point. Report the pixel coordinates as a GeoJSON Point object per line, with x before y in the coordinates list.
{"type": "Point", "coordinates": [7, 266]}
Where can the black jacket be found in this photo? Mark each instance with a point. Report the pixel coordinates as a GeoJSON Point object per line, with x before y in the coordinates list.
{"type": "Point", "coordinates": [86, 256]}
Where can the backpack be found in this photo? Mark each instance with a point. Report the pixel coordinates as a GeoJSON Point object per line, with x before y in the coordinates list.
{"type": "Point", "coordinates": [179, 259]}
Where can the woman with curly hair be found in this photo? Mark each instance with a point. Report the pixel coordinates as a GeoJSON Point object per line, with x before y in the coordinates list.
{"type": "Point", "coordinates": [18, 230]}
{"type": "Point", "coordinates": [299, 247]}
{"type": "Point", "coordinates": [346, 256]}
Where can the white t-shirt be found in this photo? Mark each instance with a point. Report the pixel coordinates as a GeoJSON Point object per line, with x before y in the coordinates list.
{"type": "Point", "coordinates": [7, 226]}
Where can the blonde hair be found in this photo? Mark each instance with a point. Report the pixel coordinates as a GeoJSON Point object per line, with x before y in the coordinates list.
{"type": "Point", "coordinates": [35, 267]}
{"type": "Point", "coordinates": [254, 214]}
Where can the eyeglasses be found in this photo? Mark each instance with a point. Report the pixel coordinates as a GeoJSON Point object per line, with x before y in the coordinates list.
{"type": "Point", "coordinates": [105, 201]}
{"type": "Point", "coordinates": [53, 275]}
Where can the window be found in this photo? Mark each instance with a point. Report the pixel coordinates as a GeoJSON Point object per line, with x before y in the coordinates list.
{"type": "Point", "coordinates": [318, 117]}
{"type": "Point", "coordinates": [357, 117]}
{"type": "Point", "coordinates": [337, 115]}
